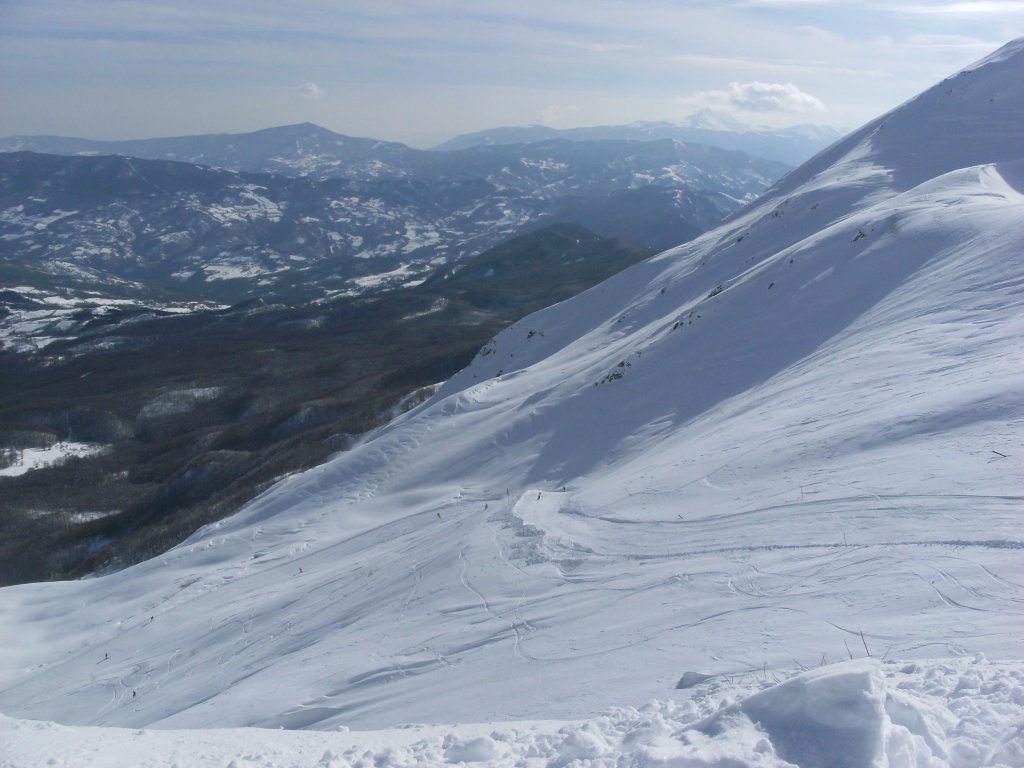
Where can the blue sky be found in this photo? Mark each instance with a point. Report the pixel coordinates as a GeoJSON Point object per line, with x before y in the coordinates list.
{"type": "Point", "coordinates": [420, 71]}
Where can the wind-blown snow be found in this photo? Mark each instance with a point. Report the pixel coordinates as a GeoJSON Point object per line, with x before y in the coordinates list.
{"type": "Point", "coordinates": [794, 440]}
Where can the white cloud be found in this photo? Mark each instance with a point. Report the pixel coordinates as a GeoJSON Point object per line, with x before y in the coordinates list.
{"type": "Point", "coordinates": [772, 97]}
{"type": "Point", "coordinates": [558, 114]}
{"type": "Point", "coordinates": [757, 104]}
{"type": "Point", "coordinates": [311, 91]}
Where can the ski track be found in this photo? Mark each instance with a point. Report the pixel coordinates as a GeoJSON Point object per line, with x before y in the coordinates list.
{"type": "Point", "coordinates": [465, 582]}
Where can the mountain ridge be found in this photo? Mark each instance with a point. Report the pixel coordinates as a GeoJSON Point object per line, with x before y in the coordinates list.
{"type": "Point", "coordinates": [790, 145]}
{"type": "Point", "coordinates": [307, 149]}
{"type": "Point", "coordinates": [296, 149]}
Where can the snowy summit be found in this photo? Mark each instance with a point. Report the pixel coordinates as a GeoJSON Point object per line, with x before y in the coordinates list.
{"type": "Point", "coordinates": [708, 483]}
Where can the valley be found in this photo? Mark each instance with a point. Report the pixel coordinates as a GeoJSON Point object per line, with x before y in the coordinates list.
{"type": "Point", "coordinates": [190, 415]}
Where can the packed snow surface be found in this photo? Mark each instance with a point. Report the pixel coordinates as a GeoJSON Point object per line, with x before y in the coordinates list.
{"type": "Point", "coordinates": [792, 441]}
{"type": "Point", "coordinates": [851, 715]}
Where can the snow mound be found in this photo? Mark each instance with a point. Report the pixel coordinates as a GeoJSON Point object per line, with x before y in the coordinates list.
{"type": "Point", "coordinates": [861, 714]}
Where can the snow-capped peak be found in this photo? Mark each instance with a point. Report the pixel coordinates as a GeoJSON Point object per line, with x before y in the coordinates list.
{"type": "Point", "coordinates": [710, 120]}
{"type": "Point", "coordinates": [971, 118]}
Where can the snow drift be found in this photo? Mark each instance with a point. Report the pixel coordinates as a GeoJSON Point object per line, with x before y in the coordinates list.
{"type": "Point", "coordinates": [851, 715]}
{"type": "Point", "coordinates": [791, 441]}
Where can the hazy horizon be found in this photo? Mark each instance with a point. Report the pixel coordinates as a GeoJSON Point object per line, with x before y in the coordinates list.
{"type": "Point", "coordinates": [405, 72]}
{"type": "Point", "coordinates": [425, 147]}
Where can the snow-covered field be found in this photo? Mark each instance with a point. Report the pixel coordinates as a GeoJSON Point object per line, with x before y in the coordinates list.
{"type": "Point", "coordinates": [793, 441]}
{"type": "Point", "coordinates": [28, 459]}
{"type": "Point", "coordinates": [64, 315]}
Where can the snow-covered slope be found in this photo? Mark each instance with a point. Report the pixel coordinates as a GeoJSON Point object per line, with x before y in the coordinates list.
{"type": "Point", "coordinates": [794, 440]}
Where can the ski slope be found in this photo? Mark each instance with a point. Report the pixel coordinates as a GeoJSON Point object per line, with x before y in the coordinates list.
{"type": "Point", "coordinates": [792, 441]}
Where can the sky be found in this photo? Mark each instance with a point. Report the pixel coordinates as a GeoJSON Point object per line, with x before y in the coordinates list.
{"type": "Point", "coordinates": [422, 71]}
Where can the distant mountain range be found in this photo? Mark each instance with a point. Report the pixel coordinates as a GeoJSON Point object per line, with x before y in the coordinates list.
{"type": "Point", "coordinates": [306, 149]}
{"type": "Point", "coordinates": [788, 145]}
{"type": "Point", "coordinates": [292, 150]}
{"type": "Point", "coordinates": [301, 212]}
{"type": "Point", "coordinates": [112, 219]}
{"type": "Point", "coordinates": [369, 216]}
